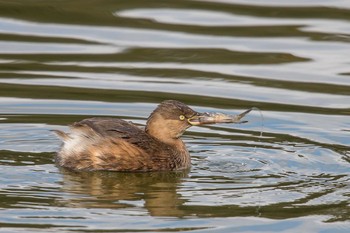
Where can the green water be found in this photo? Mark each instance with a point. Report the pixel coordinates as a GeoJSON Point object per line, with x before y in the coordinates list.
{"type": "Point", "coordinates": [62, 61]}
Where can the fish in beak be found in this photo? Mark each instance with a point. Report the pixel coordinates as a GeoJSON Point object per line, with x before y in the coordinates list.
{"type": "Point", "coordinates": [215, 118]}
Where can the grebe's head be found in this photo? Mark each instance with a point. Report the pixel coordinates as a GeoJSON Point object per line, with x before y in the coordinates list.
{"type": "Point", "coordinates": [170, 120]}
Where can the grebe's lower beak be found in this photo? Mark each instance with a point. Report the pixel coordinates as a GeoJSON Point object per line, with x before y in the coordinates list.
{"type": "Point", "coordinates": [215, 118]}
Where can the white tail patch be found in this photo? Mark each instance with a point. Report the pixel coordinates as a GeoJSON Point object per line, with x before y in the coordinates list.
{"type": "Point", "coordinates": [77, 140]}
{"type": "Point", "coordinates": [62, 135]}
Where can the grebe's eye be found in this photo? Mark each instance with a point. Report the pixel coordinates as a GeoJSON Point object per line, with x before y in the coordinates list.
{"type": "Point", "coordinates": [182, 117]}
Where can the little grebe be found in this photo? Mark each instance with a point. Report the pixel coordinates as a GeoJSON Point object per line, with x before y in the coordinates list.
{"type": "Point", "coordinates": [117, 145]}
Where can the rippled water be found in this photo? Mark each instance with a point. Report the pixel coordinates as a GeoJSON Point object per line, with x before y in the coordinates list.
{"type": "Point", "coordinates": [62, 61]}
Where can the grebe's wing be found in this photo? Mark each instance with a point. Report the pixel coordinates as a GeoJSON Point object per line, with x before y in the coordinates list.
{"type": "Point", "coordinates": [106, 126]}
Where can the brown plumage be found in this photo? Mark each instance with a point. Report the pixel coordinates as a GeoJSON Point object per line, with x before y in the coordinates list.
{"type": "Point", "coordinates": [117, 145]}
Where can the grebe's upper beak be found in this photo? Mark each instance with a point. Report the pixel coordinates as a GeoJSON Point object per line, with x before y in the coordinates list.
{"type": "Point", "coordinates": [215, 118]}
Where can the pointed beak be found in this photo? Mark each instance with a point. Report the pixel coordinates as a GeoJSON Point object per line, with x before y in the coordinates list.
{"type": "Point", "coordinates": [215, 118]}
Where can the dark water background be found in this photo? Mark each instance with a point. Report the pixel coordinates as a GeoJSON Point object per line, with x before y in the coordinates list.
{"type": "Point", "coordinates": [62, 61]}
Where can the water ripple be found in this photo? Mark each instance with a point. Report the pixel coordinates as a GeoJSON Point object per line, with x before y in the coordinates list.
{"type": "Point", "coordinates": [289, 59]}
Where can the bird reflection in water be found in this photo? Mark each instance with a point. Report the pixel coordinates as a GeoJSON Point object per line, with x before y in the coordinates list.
{"type": "Point", "coordinates": [157, 192]}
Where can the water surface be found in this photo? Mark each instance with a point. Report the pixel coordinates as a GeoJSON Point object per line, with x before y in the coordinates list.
{"type": "Point", "coordinates": [62, 61]}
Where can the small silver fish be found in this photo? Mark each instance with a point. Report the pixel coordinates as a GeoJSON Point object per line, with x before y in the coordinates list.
{"type": "Point", "coordinates": [215, 118]}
